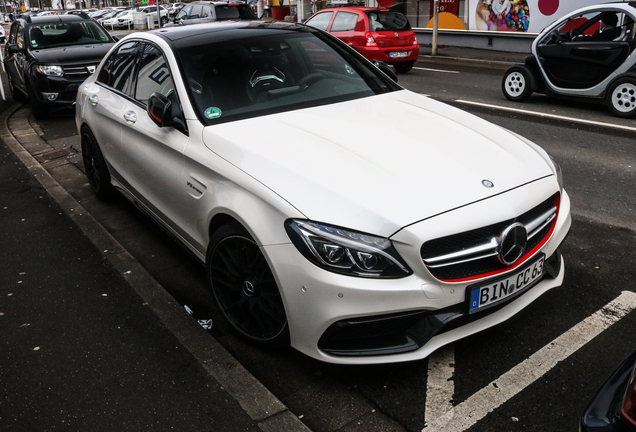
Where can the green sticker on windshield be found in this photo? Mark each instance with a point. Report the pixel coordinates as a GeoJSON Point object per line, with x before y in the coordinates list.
{"type": "Point", "coordinates": [212, 113]}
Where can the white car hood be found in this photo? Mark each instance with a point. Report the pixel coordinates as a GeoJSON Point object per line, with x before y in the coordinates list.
{"type": "Point", "coordinates": [379, 163]}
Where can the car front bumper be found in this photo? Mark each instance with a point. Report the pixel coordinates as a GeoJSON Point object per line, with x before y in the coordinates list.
{"type": "Point", "coordinates": [351, 320]}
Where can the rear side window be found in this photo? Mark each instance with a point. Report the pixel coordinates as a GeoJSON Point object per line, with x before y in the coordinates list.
{"type": "Point", "coordinates": [344, 21]}
{"type": "Point", "coordinates": [233, 12]}
{"type": "Point", "coordinates": [387, 21]}
{"type": "Point", "coordinates": [320, 21]}
{"type": "Point", "coordinates": [118, 69]}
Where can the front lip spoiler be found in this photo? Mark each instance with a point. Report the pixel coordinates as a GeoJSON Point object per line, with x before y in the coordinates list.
{"type": "Point", "coordinates": [407, 331]}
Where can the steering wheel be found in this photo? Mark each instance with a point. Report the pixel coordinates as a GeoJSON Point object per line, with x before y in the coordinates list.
{"type": "Point", "coordinates": [309, 80]}
{"type": "Point", "coordinates": [575, 32]}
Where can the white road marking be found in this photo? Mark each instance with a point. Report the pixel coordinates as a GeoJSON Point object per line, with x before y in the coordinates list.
{"type": "Point", "coordinates": [436, 70]}
{"type": "Point", "coordinates": [546, 115]}
{"type": "Point", "coordinates": [440, 386]}
{"type": "Point", "coordinates": [476, 407]}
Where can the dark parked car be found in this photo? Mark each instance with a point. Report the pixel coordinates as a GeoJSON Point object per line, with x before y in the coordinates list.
{"type": "Point", "coordinates": [588, 53]}
{"type": "Point", "coordinates": [47, 58]}
{"type": "Point", "coordinates": [207, 11]}
{"type": "Point", "coordinates": [613, 409]}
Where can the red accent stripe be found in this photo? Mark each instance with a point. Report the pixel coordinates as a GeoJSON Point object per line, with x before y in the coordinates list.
{"type": "Point", "coordinates": [523, 259]}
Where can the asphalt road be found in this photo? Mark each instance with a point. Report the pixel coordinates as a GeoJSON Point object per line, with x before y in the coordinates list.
{"type": "Point", "coordinates": [552, 383]}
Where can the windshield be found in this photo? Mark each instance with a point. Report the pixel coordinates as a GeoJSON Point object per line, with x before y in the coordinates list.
{"type": "Point", "coordinates": [387, 21]}
{"type": "Point", "coordinates": [64, 34]}
{"type": "Point", "coordinates": [274, 71]}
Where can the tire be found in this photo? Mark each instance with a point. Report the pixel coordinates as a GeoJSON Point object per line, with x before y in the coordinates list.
{"type": "Point", "coordinates": [39, 111]}
{"type": "Point", "coordinates": [244, 288]}
{"type": "Point", "coordinates": [621, 97]}
{"type": "Point", "coordinates": [515, 84]}
{"type": "Point", "coordinates": [403, 67]}
{"type": "Point", "coordinates": [95, 167]}
{"type": "Point", "coordinates": [16, 94]}
{"type": "Point", "coordinates": [164, 21]}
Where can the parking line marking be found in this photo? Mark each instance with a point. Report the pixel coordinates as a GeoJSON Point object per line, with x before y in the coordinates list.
{"type": "Point", "coordinates": [440, 386]}
{"type": "Point", "coordinates": [546, 115]}
{"type": "Point", "coordinates": [486, 400]}
{"type": "Point", "coordinates": [436, 70]}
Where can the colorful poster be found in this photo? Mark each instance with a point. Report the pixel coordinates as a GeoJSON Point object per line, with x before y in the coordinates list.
{"type": "Point", "coordinates": [530, 16]}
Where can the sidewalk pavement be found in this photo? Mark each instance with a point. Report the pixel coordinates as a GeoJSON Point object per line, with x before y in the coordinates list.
{"type": "Point", "coordinates": [90, 342]}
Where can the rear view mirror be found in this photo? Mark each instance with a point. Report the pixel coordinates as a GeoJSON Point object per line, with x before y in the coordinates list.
{"type": "Point", "coordinates": [160, 109]}
{"type": "Point", "coordinates": [386, 69]}
{"type": "Point", "coordinates": [14, 49]}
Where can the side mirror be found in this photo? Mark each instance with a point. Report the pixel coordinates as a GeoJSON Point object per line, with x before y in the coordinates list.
{"type": "Point", "coordinates": [14, 49]}
{"type": "Point", "coordinates": [160, 109]}
{"type": "Point", "coordinates": [386, 69]}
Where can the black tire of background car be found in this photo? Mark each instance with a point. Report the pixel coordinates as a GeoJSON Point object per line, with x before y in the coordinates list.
{"type": "Point", "coordinates": [244, 288]}
{"type": "Point", "coordinates": [39, 111]}
{"type": "Point", "coordinates": [95, 166]}
{"type": "Point", "coordinates": [403, 67]}
{"type": "Point", "coordinates": [515, 84]}
{"type": "Point", "coordinates": [164, 21]}
{"type": "Point", "coordinates": [16, 94]}
{"type": "Point", "coordinates": [624, 106]}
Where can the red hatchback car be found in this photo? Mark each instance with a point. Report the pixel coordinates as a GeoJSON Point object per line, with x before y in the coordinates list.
{"type": "Point", "coordinates": [377, 34]}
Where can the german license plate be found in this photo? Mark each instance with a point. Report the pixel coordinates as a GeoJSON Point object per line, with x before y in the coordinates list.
{"type": "Point", "coordinates": [489, 293]}
{"type": "Point", "coordinates": [398, 54]}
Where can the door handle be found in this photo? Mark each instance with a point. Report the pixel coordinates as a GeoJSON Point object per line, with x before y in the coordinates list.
{"type": "Point", "coordinates": [130, 116]}
{"type": "Point", "coordinates": [93, 99]}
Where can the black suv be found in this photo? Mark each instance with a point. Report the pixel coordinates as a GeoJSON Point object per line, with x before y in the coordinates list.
{"type": "Point", "coordinates": [47, 58]}
{"type": "Point", "coordinates": [205, 11]}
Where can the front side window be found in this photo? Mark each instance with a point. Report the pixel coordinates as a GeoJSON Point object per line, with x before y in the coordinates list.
{"type": "Point", "coordinates": [344, 21]}
{"type": "Point", "coordinates": [196, 12]}
{"type": "Point", "coordinates": [60, 34]}
{"type": "Point", "coordinates": [320, 21]}
{"type": "Point", "coordinates": [19, 39]}
{"type": "Point", "coordinates": [118, 69]}
{"type": "Point", "coordinates": [154, 75]}
{"type": "Point", "coordinates": [273, 72]}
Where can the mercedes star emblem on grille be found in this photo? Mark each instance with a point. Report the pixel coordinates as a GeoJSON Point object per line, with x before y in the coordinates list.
{"type": "Point", "coordinates": [512, 243]}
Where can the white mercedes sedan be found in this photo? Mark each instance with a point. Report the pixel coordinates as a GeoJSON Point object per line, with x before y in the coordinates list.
{"type": "Point", "coordinates": [333, 209]}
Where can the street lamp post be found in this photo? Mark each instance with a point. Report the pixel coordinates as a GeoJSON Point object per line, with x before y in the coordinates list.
{"type": "Point", "coordinates": [435, 26]}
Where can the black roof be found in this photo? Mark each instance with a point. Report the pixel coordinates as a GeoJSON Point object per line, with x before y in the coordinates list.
{"type": "Point", "coordinates": [224, 29]}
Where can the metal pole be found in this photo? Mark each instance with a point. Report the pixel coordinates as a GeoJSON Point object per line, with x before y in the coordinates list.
{"type": "Point", "coordinates": [259, 8]}
{"type": "Point", "coordinates": [158, 13]}
{"type": "Point", "coordinates": [435, 26]}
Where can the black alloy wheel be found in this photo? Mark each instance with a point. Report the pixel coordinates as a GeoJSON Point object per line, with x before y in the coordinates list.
{"type": "Point", "coordinates": [245, 289]}
{"type": "Point", "coordinates": [39, 111]}
{"type": "Point", "coordinates": [403, 67]}
{"type": "Point", "coordinates": [15, 93]}
{"type": "Point", "coordinates": [164, 21]}
{"type": "Point", "coordinates": [95, 166]}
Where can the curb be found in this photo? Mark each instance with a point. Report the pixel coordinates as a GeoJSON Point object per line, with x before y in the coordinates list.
{"type": "Point", "coordinates": [254, 398]}
{"type": "Point", "coordinates": [466, 59]}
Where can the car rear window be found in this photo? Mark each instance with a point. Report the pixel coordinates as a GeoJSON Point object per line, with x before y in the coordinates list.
{"type": "Point", "coordinates": [387, 21]}
{"type": "Point", "coordinates": [234, 12]}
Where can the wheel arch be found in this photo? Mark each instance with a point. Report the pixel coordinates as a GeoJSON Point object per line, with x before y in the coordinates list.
{"type": "Point", "coordinates": [630, 74]}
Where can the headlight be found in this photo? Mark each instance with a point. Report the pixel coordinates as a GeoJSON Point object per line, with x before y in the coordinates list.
{"type": "Point", "coordinates": [346, 252]}
{"type": "Point", "coordinates": [50, 70]}
{"type": "Point", "coordinates": [557, 172]}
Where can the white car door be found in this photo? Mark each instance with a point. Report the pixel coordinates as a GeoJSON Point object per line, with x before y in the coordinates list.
{"type": "Point", "coordinates": [154, 155]}
{"type": "Point", "coordinates": [106, 97]}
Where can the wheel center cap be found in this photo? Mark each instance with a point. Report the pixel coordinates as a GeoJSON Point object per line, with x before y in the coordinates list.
{"type": "Point", "coordinates": [248, 288]}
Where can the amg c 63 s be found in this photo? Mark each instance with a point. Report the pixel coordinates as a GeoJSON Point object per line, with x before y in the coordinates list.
{"type": "Point", "coordinates": [333, 209]}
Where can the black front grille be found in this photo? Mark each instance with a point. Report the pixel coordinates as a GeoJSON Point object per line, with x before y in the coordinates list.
{"type": "Point", "coordinates": [465, 240]}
